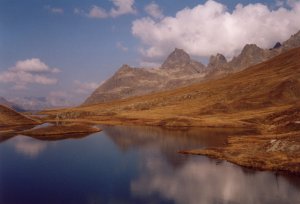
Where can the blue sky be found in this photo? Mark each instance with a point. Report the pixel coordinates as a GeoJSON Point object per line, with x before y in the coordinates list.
{"type": "Point", "coordinates": [88, 49]}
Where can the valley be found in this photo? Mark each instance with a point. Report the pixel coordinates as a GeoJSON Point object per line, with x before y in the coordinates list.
{"type": "Point", "coordinates": [262, 99]}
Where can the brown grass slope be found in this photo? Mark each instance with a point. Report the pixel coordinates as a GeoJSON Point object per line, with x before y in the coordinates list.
{"type": "Point", "coordinates": [236, 100]}
{"type": "Point", "coordinates": [9, 117]}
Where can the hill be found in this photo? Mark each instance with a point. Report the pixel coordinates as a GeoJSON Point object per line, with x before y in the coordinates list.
{"type": "Point", "coordinates": [10, 117]}
{"type": "Point", "coordinates": [11, 105]}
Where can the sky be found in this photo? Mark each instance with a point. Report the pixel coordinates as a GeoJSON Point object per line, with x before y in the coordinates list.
{"type": "Point", "coordinates": [56, 49]}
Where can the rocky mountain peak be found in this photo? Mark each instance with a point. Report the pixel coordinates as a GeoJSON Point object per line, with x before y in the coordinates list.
{"type": "Point", "coordinates": [277, 45]}
{"type": "Point", "coordinates": [177, 58]}
{"type": "Point", "coordinates": [292, 42]}
{"type": "Point", "coordinates": [125, 67]}
{"type": "Point", "coordinates": [250, 55]}
{"type": "Point", "coordinates": [250, 49]}
{"type": "Point", "coordinates": [216, 61]}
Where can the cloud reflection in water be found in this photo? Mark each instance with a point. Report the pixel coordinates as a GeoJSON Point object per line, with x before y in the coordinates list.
{"type": "Point", "coordinates": [201, 180]}
{"type": "Point", "coordinates": [28, 146]}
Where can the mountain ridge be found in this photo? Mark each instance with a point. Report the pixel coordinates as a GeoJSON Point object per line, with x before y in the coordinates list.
{"type": "Point", "coordinates": [180, 70]}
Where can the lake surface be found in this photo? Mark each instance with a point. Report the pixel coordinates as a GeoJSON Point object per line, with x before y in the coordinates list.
{"type": "Point", "coordinates": [133, 165]}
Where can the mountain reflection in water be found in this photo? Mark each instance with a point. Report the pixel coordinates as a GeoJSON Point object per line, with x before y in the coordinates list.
{"type": "Point", "coordinates": [133, 165]}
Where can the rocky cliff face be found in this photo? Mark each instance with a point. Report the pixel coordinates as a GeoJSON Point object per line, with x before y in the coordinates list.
{"type": "Point", "coordinates": [180, 70]}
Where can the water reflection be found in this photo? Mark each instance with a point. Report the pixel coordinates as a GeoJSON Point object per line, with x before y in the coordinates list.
{"type": "Point", "coordinates": [168, 142]}
{"type": "Point", "coordinates": [135, 137]}
{"type": "Point", "coordinates": [195, 179]}
{"type": "Point", "coordinates": [133, 165]}
{"type": "Point", "coordinates": [28, 146]}
{"type": "Point", "coordinates": [8, 132]}
{"type": "Point", "coordinates": [205, 182]}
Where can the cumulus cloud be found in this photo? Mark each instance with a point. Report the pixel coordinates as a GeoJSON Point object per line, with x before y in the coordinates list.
{"type": "Point", "coordinates": [84, 87]}
{"type": "Point", "coordinates": [122, 47]}
{"type": "Point", "coordinates": [29, 71]}
{"type": "Point", "coordinates": [121, 7]}
{"type": "Point", "coordinates": [154, 10]}
{"type": "Point", "coordinates": [211, 28]}
{"type": "Point", "coordinates": [33, 65]}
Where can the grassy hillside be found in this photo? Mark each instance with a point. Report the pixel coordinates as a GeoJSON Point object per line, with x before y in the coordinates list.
{"type": "Point", "coordinates": [236, 100]}
{"type": "Point", "coordinates": [11, 117]}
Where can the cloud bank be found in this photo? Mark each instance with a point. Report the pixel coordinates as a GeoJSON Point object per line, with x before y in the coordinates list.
{"type": "Point", "coordinates": [29, 71]}
{"type": "Point", "coordinates": [211, 28]}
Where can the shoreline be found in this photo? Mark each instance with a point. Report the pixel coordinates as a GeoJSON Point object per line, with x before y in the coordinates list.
{"type": "Point", "coordinates": [277, 153]}
{"type": "Point", "coordinates": [248, 150]}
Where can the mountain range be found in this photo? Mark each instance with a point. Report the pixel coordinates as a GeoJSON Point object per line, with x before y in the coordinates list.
{"type": "Point", "coordinates": [30, 103]}
{"type": "Point", "coordinates": [179, 70]}
{"type": "Point", "coordinates": [237, 99]}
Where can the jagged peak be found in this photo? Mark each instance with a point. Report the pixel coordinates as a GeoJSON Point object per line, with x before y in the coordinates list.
{"type": "Point", "coordinates": [218, 57]}
{"type": "Point", "coordinates": [250, 46]}
{"type": "Point", "coordinates": [277, 45]}
{"type": "Point", "coordinates": [250, 49]}
{"type": "Point", "coordinates": [296, 34]}
{"type": "Point", "coordinates": [292, 42]}
{"type": "Point", "coordinates": [125, 67]}
{"type": "Point", "coordinates": [216, 61]}
{"type": "Point", "coordinates": [178, 56]}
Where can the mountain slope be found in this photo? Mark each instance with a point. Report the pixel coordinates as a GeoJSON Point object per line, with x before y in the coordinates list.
{"type": "Point", "coordinates": [11, 105]}
{"type": "Point", "coordinates": [250, 55]}
{"type": "Point", "coordinates": [263, 99]}
{"type": "Point", "coordinates": [178, 70]}
{"type": "Point", "coordinates": [235, 100]}
{"type": "Point", "coordinates": [11, 117]}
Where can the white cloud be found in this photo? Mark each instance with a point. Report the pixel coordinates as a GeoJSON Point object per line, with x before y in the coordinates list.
{"type": "Point", "coordinates": [153, 10]}
{"type": "Point", "coordinates": [84, 87]}
{"type": "Point", "coordinates": [33, 65]}
{"type": "Point", "coordinates": [97, 12]}
{"type": "Point", "coordinates": [210, 28]}
{"type": "Point", "coordinates": [121, 46]}
{"type": "Point", "coordinates": [55, 10]}
{"type": "Point", "coordinates": [29, 71]}
{"type": "Point", "coordinates": [121, 7]}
